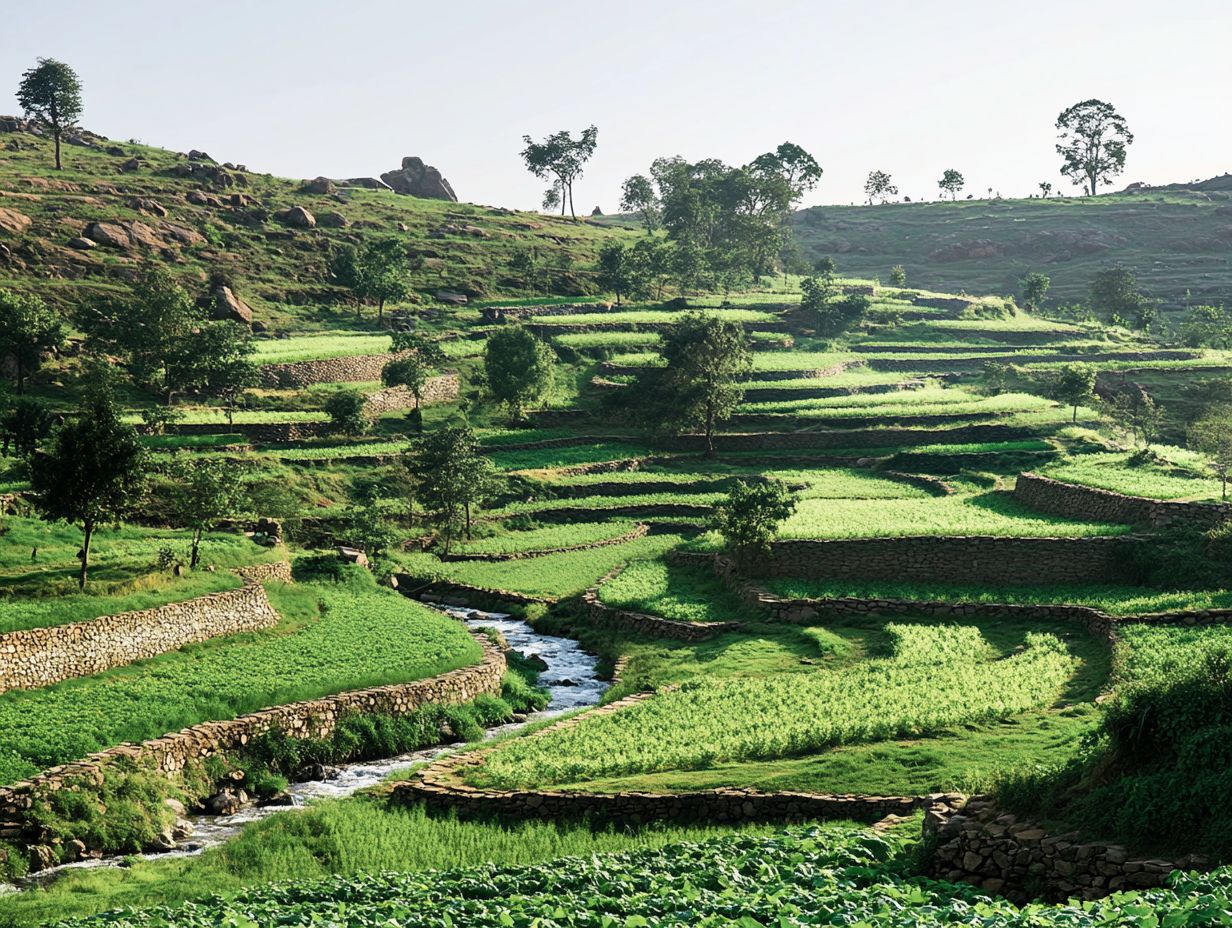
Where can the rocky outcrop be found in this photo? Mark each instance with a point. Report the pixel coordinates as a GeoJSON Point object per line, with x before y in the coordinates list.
{"type": "Point", "coordinates": [13, 222]}
{"type": "Point", "coordinates": [417, 179]}
{"type": "Point", "coordinates": [224, 304]}
{"type": "Point", "coordinates": [296, 217]}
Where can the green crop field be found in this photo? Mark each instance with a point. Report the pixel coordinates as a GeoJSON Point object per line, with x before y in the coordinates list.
{"type": "Point", "coordinates": [673, 591]}
{"type": "Point", "coordinates": [548, 538]}
{"type": "Point", "coordinates": [1123, 473]}
{"type": "Point", "coordinates": [934, 677]}
{"type": "Point", "coordinates": [361, 637]}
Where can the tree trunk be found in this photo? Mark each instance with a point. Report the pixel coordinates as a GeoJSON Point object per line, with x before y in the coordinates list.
{"type": "Point", "coordinates": [1075, 418]}
{"type": "Point", "coordinates": [59, 166]}
{"type": "Point", "coordinates": [21, 376]}
{"type": "Point", "coordinates": [380, 310]}
{"type": "Point", "coordinates": [468, 520]}
{"type": "Point", "coordinates": [88, 528]}
{"type": "Point", "coordinates": [196, 549]}
{"type": "Point", "coordinates": [1224, 477]}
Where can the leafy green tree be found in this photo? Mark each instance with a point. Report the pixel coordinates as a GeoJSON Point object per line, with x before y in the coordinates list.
{"type": "Point", "coordinates": [880, 186]}
{"type": "Point", "coordinates": [652, 263]}
{"type": "Point", "coordinates": [224, 351]}
{"type": "Point", "coordinates": [50, 94]}
{"type": "Point", "coordinates": [451, 478]}
{"type": "Point", "coordinates": [377, 271]}
{"type": "Point", "coordinates": [826, 267]}
{"type": "Point", "coordinates": [1034, 288]}
{"type": "Point", "coordinates": [837, 316]}
{"type": "Point", "coordinates": [793, 165]}
{"type": "Point", "coordinates": [205, 491]}
{"type": "Point", "coordinates": [561, 158]}
{"type": "Point", "coordinates": [816, 293]}
{"type": "Point", "coordinates": [1092, 142]}
{"type": "Point", "coordinates": [412, 372]}
{"type": "Point", "coordinates": [167, 342]}
{"type": "Point", "coordinates": [951, 182]}
{"type": "Point", "coordinates": [373, 529]}
{"type": "Point", "coordinates": [699, 386]}
{"type": "Point", "coordinates": [898, 276]}
{"type": "Point", "coordinates": [638, 195]}
{"type": "Point", "coordinates": [1135, 413]}
{"type": "Point", "coordinates": [994, 377]}
{"type": "Point", "coordinates": [346, 412]}
{"type": "Point", "coordinates": [92, 472]}
{"type": "Point", "coordinates": [1075, 385]}
{"type": "Point", "coordinates": [1211, 436]}
{"type": "Point", "coordinates": [25, 425]}
{"type": "Point", "coordinates": [1115, 294]}
{"type": "Point", "coordinates": [750, 518]}
{"type": "Point", "coordinates": [618, 270]}
{"type": "Point", "coordinates": [519, 368]}
{"type": "Point", "coordinates": [1207, 327]}
{"type": "Point", "coordinates": [28, 330]}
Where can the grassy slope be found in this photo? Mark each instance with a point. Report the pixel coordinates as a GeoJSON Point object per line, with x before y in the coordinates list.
{"type": "Point", "coordinates": [277, 269]}
{"type": "Point", "coordinates": [1174, 241]}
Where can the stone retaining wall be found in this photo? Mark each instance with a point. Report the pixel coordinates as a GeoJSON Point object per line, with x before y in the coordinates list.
{"type": "Point", "coordinates": [973, 559]}
{"type": "Point", "coordinates": [641, 623]}
{"type": "Point", "coordinates": [782, 394]}
{"type": "Point", "coordinates": [975, 364]}
{"type": "Point", "coordinates": [451, 593]}
{"type": "Point", "coordinates": [1075, 501]}
{"type": "Point", "coordinates": [314, 718]}
{"type": "Point", "coordinates": [37, 657]}
{"type": "Point", "coordinates": [851, 438]}
{"type": "Point", "coordinates": [975, 842]}
{"type": "Point", "coordinates": [439, 389]}
{"type": "Point", "coordinates": [440, 786]}
{"type": "Point", "coordinates": [634, 510]}
{"type": "Point", "coordinates": [356, 368]}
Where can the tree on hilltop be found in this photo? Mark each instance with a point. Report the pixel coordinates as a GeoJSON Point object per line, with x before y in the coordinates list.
{"type": "Point", "coordinates": [1092, 142]}
{"type": "Point", "coordinates": [561, 158]}
{"type": "Point", "coordinates": [28, 330]}
{"type": "Point", "coordinates": [519, 368]}
{"type": "Point", "coordinates": [92, 472]}
{"type": "Point", "coordinates": [951, 182]}
{"type": "Point", "coordinates": [50, 94]}
{"type": "Point", "coordinates": [879, 185]}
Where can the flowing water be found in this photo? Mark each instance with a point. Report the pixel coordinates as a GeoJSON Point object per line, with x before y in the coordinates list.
{"type": "Point", "coordinates": [570, 678]}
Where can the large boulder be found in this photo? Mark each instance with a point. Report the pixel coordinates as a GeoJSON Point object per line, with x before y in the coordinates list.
{"type": "Point", "coordinates": [417, 179]}
{"type": "Point", "coordinates": [108, 233]}
{"type": "Point", "coordinates": [13, 222]}
{"type": "Point", "coordinates": [224, 304]}
{"type": "Point", "coordinates": [298, 217]}
{"type": "Point", "coordinates": [320, 185]}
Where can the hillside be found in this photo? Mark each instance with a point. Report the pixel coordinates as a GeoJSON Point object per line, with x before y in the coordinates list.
{"type": "Point", "coordinates": [1177, 239]}
{"type": "Point", "coordinates": [199, 216]}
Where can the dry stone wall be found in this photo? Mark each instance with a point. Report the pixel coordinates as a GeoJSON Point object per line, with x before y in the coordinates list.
{"type": "Point", "coordinates": [975, 364]}
{"type": "Point", "coordinates": [37, 657]}
{"type": "Point", "coordinates": [1075, 501]}
{"type": "Point", "coordinates": [358, 368]}
{"type": "Point", "coordinates": [441, 786]}
{"type": "Point", "coordinates": [439, 389]}
{"type": "Point", "coordinates": [850, 438]}
{"type": "Point", "coordinates": [975, 842]}
{"type": "Point", "coordinates": [314, 718]}
{"type": "Point", "coordinates": [641, 623]}
{"type": "Point", "coordinates": [974, 559]}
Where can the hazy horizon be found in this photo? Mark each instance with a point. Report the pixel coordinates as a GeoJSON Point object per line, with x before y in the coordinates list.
{"type": "Point", "coordinates": [299, 89]}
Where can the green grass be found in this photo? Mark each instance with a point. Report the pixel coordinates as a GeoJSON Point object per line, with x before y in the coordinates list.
{"type": "Point", "coordinates": [610, 502]}
{"type": "Point", "coordinates": [674, 591]}
{"type": "Point", "coordinates": [553, 575]}
{"type": "Point", "coordinates": [933, 677]}
{"type": "Point", "coordinates": [1137, 476]}
{"type": "Point", "coordinates": [318, 347]}
{"type": "Point", "coordinates": [335, 637]}
{"type": "Point", "coordinates": [588, 453]}
{"type": "Point", "coordinates": [547, 538]}
{"type": "Point", "coordinates": [650, 317]}
{"type": "Point", "coordinates": [906, 405]}
{"type": "Point", "coordinates": [1112, 599]}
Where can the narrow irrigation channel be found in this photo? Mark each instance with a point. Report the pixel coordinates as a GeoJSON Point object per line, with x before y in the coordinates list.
{"type": "Point", "coordinates": [570, 677]}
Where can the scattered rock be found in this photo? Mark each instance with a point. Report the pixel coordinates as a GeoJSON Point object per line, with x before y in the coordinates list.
{"type": "Point", "coordinates": [81, 244]}
{"type": "Point", "coordinates": [74, 849]}
{"type": "Point", "coordinates": [452, 297]}
{"type": "Point", "coordinates": [353, 555]}
{"type": "Point", "coordinates": [162, 842]}
{"type": "Point", "coordinates": [109, 234]}
{"type": "Point", "coordinates": [417, 179]}
{"type": "Point", "coordinates": [148, 206]}
{"type": "Point", "coordinates": [196, 155]}
{"type": "Point", "coordinates": [333, 221]}
{"type": "Point", "coordinates": [226, 802]}
{"type": "Point", "coordinates": [13, 222]}
{"type": "Point", "coordinates": [321, 185]}
{"type": "Point", "coordinates": [131, 165]}
{"type": "Point", "coordinates": [298, 217]}
{"type": "Point", "coordinates": [370, 183]}
{"type": "Point", "coordinates": [41, 857]}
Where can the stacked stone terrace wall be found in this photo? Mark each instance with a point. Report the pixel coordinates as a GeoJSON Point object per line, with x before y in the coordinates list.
{"type": "Point", "coordinates": [975, 364]}
{"type": "Point", "coordinates": [973, 559]}
{"type": "Point", "coordinates": [441, 786]}
{"type": "Point", "coordinates": [975, 842]}
{"type": "Point", "coordinates": [315, 718]}
{"type": "Point", "coordinates": [37, 657]}
{"type": "Point", "coordinates": [851, 438]}
{"type": "Point", "coordinates": [1076, 501]}
{"type": "Point", "coordinates": [357, 368]}
{"type": "Point", "coordinates": [641, 623]}
{"type": "Point", "coordinates": [783, 394]}
{"type": "Point", "coordinates": [439, 389]}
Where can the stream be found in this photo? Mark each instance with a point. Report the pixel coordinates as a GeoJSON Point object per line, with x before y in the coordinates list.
{"type": "Point", "coordinates": [570, 678]}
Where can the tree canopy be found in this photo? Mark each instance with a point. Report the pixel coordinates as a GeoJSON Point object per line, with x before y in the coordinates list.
{"type": "Point", "coordinates": [519, 368]}
{"type": "Point", "coordinates": [951, 182]}
{"type": "Point", "coordinates": [28, 330]}
{"type": "Point", "coordinates": [561, 158]}
{"type": "Point", "coordinates": [879, 186]}
{"type": "Point", "coordinates": [50, 94]}
{"type": "Point", "coordinates": [1092, 142]}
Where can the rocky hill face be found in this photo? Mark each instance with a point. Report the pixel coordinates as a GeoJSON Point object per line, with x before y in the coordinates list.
{"type": "Point", "coordinates": [119, 206]}
{"type": "Point", "coordinates": [1177, 239]}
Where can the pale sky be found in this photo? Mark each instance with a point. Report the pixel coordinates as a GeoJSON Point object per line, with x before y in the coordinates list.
{"type": "Point", "coordinates": [304, 87]}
